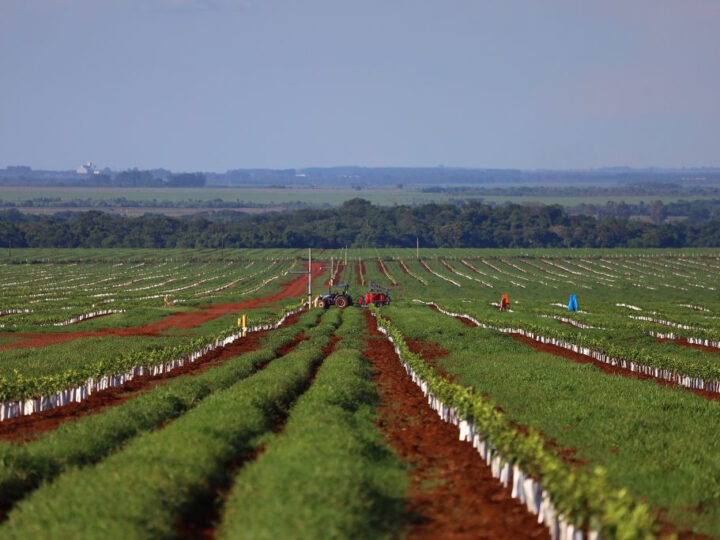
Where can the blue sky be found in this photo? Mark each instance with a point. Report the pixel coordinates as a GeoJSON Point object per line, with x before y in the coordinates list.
{"type": "Point", "coordinates": [218, 84]}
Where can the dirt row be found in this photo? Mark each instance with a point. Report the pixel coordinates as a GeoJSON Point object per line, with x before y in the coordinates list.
{"type": "Point", "coordinates": [177, 321]}
{"type": "Point", "coordinates": [683, 342]}
{"type": "Point", "coordinates": [382, 271]}
{"type": "Point", "coordinates": [426, 268]}
{"type": "Point", "coordinates": [607, 368]}
{"type": "Point", "coordinates": [360, 269]}
{"type": "Point", "coordinates": [339, 267]}
{"type": "Point", "coordinates": [452, 493]}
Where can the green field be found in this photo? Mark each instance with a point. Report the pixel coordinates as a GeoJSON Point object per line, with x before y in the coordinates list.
{"type": "Point", "coordinates": [622, 455]}
{"type": "Point", "coordinates": [201, 197]}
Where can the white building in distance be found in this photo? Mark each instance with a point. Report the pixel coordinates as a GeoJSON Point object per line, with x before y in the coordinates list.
{"type": "Point", "coordinates": [87, 168]}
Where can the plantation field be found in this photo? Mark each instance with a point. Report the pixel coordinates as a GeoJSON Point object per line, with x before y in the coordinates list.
{"type": "Point", "coordinates": [436, 415]}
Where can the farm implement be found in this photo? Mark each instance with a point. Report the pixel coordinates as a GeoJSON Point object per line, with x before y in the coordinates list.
{"type": "Point", "coordinates": [377, 295]}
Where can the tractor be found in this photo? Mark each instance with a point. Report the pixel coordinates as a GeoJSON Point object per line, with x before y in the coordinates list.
{"type": "Point", "coordinates": [339, 299]}
{"type": "Point", "coordinates": [377, 294]}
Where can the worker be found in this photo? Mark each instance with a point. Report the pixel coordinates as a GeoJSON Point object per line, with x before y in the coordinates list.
{"type": "Point", "coordinates": [504, 302]}
{"type": "Point", "coordinates": [573, 303]}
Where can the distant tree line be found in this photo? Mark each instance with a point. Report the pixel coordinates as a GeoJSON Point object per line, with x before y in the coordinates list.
{"type": "Point", "coordinates": [137, 178]}
{"type": "Point", "coordinates": [392, 176]}
{"type": "Point", "coordinates": [697, 211]}
{"type": "Point", "coordinates": [694, 211]}
{"type": "Point", "coordinates": [356, 223]}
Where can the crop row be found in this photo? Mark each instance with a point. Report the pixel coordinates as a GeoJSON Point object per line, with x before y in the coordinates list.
{"type": "Point", "coordinates": [158, 477]}
{"type": "Point", "coordinates": [698, 374]}
{"type": "Point", "coordinates": [14, 297]}
{"type": "Point", "coordinates": [329, 474]}
{"type": "Point", "coordinates": [567, 499]}
{"type": "Point", "coordinates": [23, 396]}
{"type": "Point", "coordinates": [92, 437]}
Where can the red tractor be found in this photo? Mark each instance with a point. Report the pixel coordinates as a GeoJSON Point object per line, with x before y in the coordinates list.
{"type": "Point", "coordinates": [377, 294]}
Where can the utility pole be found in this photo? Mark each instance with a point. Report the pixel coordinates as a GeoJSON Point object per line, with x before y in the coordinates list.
{"type": "Point", "coordinates": [332, 270]}
{"type": "Point", "coordinates": [345, 255]}
{"type": "Point", "coordinates": [417, 247]}
{"type": "Point", "coordinates": [309, 272]}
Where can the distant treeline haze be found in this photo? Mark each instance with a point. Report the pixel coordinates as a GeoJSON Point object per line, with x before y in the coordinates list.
{"type": "Point", "coordinates": [358, 224]}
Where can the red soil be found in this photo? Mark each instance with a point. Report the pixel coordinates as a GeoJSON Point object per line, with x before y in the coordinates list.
{"type": "Point", "coordinates": [339, 267]}
{"type": "Point", "coordinates": [466, 265]}
{"type": "Point", "coordinates": [452, 493]}
{"type": "Point", "coordinates": [383, 271]}
{"type": "Point", "coordinates": [405, 269]}
{"type": "Point", "coordinates": [426, 349]}
{"type": "Point", "coordinates": [607, 368]}
{"type": "Point", "coordinates": [426, 267]}
{"type": "Point", "coordinates": [464, 320]}
{"type": "Point", "coordinates": [568, 454]}
{"type": "Point", "coordinates": [182, 321]}
{"type": "Point", "coordinates": [26, 428]}
{"type": "Point", "coordinates": [447, 266]}
{"type": "Point", "coordinates": [430, 352]}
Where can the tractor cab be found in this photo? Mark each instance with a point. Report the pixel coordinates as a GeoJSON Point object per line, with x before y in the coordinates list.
{"type": "Point", "coordinates": [339, 298]}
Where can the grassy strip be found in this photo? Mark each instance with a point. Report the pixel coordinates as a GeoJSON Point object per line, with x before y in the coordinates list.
{"type": "Point", "coordinates": [329, 475]}
{"type": "Point", "coordinates": [140, 491]}
{"type": "Point", "coordinates": [90, 438]}
{"type": "Point", "coordinates": [656, 442]}
{"type": "Point", "coordinates": [583, 496]}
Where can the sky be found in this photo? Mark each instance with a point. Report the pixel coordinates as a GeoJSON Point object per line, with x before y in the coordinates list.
{"type": "Point", "coordinates": [211, 85]}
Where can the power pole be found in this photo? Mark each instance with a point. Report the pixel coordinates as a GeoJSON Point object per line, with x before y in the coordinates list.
{"type": "Point", "coordinates": [345, 255]}
{"type": "Point", "coordinates": [332, 270]}
{"type": "Point", "coordinates": [417, 247]}
{"type": "Point", "coordinates": [309, 270]}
